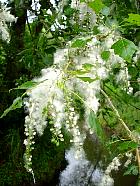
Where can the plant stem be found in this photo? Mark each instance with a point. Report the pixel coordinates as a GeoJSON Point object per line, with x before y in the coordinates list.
{"type": "Point", "coordinates": [132, 137]}
{"type": "Point", "coordinates": [117, 114]}
{"type": "Point", "coordinates": [138, 159]}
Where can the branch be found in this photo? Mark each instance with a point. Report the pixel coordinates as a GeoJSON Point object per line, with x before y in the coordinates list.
{"type": "Point", "coordinates": [124, 125]}
{"type": "Point", "coordinates": [117, 97]}
{"type": "Point", "coordinates": [138, 158]}
{"type": "Point", "coordinates": [117, 114]}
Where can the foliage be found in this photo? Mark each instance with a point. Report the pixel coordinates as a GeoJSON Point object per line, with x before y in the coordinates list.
{"type": "Point", "coordinates": [5, 17]}
{"type": "Point", "coordinates": [89, 80]}
{"type": "Point", "coordinates": [96, 5]}
{"type": "Point", "coordinates": [125, 49]}
{"type": "Point", "coordinates": [17, 103]}
{"type": "Point", "coordinates": [12, 171]}
{"type": "Point", "coordinates": [94, 125]}
{"type": "Point", "coordinates": [133, 169]}
{"type": "Point", "coordinates": [133, 19]}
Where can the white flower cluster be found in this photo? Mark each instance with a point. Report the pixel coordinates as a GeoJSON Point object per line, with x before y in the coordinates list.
{"type": "Point", "coordinates": [77, 172]}
{"type": "Point", "coordinates": [86, 14]}
{"type": "Point", "coordinates": [123, 78]}
{"type": "Point", "coordinates": [57, 114]}
{"type": "Point", "coordinates": [75, 4]}
{"type": "Point", "coordinates": [76, 72]}
{"type": "Point", "coordinates": [114, 165]}
{"type": "Point", "coordinates": [72, 126]}
{"type": "Point", "coordinates": [129, 156]}
{"type": "Point", "coordinates": [5, 17]}
{"type": "Point", "coordinates": [39, 98]}
{"type": "Point", "coordinates": [106, 179]}
{"type": "Point", "coordinates": [82, 172]}
{"type": "Point", "coordinates": [60, 20]}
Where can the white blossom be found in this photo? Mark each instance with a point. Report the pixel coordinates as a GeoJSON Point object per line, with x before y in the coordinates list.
{"type": "Point", "coordinates": [25, 142]}
{"type": "Point", "coordinates": [106, 181]}
{"type": "Point", "coordinates": [5, 17]}
{"type": "Point", "coordinates": [54, 95]}
{"type": "Point", "coordinates": [49, 12]}
{"type": "Point", "coordinates": [75, 4]}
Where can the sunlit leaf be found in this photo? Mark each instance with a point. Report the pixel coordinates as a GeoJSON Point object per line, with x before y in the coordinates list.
{"type": "Point", "coordinates": [79, 43]}
{"type": "Point", "coordinates": [17, 103]}
{"type": "Point", "coordinates": [133, 19]}
{"type": "Point", "coordinates": [78, 72]}
{"type": "Point", "coordinates": [96, 5]}
{"type": "Point", "coordinates": [125, 49]}
{"type": "Point", "coordinates": [105, 55]}
{"type": "Point", "coordinates": [87, 79]}
{"type": "Point", "coordinates": [127, 145]}
{"type": "Point", "coordinates": [27, 85]}
{"type": "Point", "coordinates": [87, 66]}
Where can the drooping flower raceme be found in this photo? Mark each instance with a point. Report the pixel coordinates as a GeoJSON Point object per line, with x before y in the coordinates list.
{"type": "Point", "coordinates": [106, 179]}
{"type": "Point", "coordinates": [77, 72]}
{"type": "Point", "coordinates": [40, 98]}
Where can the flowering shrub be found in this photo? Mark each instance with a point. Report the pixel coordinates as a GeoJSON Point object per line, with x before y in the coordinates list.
{"type": "Point", "coordinates": [78, 72]}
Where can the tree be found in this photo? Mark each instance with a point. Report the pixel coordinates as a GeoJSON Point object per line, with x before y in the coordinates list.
{"type": "Point", "coordinates": [94, 62]}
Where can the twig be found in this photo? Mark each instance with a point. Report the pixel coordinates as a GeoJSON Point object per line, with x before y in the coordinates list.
{"type": "Point", "coordinates": [125, 126]}
{"type": "Point", "coordinates": [117, 114]}
{"type": "Point", "coordinates": [138, 157]}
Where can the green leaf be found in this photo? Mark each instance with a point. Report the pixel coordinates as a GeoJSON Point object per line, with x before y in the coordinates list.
{"type": "Point", "coordinates": [79, 43]}
{"type": "Point", "coordinates": [133, 169]}
{"type": "Point", "coordinates": [87, 79]}
{"type": "Point", "coordinates": [68, 11]}
{"type": "Point", "coordinates": [27, 85]}
{"type": "Point", "coordinates": [133, 19]}
{"type": "Point", "coordinates": [17, 103]}
{"type": "Point", "coordinates": [105, 55]}
{"type": "Point", "coordinates": [125, 49]}
{"type": "Point", "coordinates": [95, 125]}
{"type": "Point", "coordinates": [127, 145]}
{"type": "Point", "coordinates": [87, 66]}
{"type": "Point", "coordinates": [78, 72]}
{"type": "Point", "coordinates": [96, 5]}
